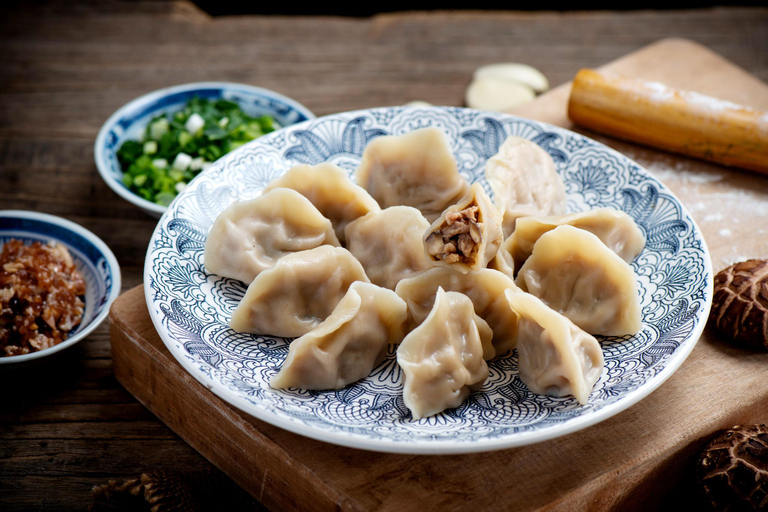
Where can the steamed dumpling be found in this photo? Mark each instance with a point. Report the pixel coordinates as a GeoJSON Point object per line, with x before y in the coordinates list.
{"type": "Point", "coordinates": [484, 287]}
{"type": "Point", "coordinates": [555, 357]}
{"type": "Point", "coordinates": [298, 293]}
{"type": "Point", "coordinates": [416, 169]}
{"type": "Point", "coordinates": [328, 187]}
{"type": "Point", "coordinates": [442, 359]}
{"type": "Point", "coordinates": [524, 181]}
{"type": "Point", "coordinates": [467, 235]}
{"type": "Point", "coordinates": [251, 236]}
{"type": "Point", "coordinates": [575, 274]}
{"type": "Point", "coordinates": [348, 344]}
{"type": "Point", "coordinates": [613, 227]}
{"type": "Point", "coordinates": [388, 243]}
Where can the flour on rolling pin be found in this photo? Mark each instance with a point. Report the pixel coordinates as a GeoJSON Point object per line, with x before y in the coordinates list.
{"type": "Point", "coordinates": [680, 121]}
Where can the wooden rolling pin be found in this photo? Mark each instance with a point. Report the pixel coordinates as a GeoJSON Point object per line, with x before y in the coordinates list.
{"type": "Point", "coordinates": [680, 121]}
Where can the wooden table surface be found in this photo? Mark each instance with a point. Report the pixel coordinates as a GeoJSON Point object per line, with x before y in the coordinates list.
{"type": "Point", "coordinates": [68, 425]}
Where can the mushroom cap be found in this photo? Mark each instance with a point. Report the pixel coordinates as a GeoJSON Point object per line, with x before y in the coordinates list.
{"type": "Point", "coordinates": [732, 471]}
{"type": "Point", "coordinates": [740, 303]}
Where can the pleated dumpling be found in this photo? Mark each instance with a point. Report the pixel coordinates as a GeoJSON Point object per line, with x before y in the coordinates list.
{"type": "Point", "coordinates": [442, 359]}
{"type": "Point", "coordinates": [555, 357]}
{"type": "Point", "coordinates": [328, 187]}
{"type": "Point", "coordinates": [389, 244]}
{"type": "Point", "coordinates": [524, 181]}
{"type": "Point", "coordinates": [575, 274]}
{"type": "Point", "coordinates": [416, 169]}
{"type": "Point", "coordinates": [613, 227]}
{"type": "Point", "coordinates": [484, 287]}
{"type": "Point", "coordinates": [467, 235]}
{"type": "Point", "coordinates": [298, 293]}
{"type": "Point", "coordinates": [349, 344]}
{"type": "Point", "coordinates": [251, 236]}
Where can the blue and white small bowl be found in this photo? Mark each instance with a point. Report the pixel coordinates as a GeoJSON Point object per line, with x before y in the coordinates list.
{"type": "Point", "coordinates": [92, 257]}
{"type": "Point", "coordinates": [131, 119]}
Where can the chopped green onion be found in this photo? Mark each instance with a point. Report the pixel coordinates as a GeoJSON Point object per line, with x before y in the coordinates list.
{"type": "Point", "coordinates": [201, 132]}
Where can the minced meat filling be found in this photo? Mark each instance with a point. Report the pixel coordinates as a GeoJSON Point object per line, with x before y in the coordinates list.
{"type": "Point", "coordinates": [40, 296]}
{"type": "Point", "coordinates": [457, 239]}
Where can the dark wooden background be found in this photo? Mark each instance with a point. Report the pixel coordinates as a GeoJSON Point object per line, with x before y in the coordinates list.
{"type": "Point", "coordinates": [67, 425]}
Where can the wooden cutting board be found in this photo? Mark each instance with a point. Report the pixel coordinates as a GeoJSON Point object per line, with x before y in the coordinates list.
{"type": "Point", "coordinates": [641, 459]}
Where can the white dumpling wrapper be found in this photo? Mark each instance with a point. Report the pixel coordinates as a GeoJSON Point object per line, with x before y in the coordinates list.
{"type": "Point", "coordinates": [442, 359]}
{"type": "Point", "coordinates": [613, 227]}
{"type": "Point", "coordinates": [251, 236]}
{"type": "Point", "coordinates": [349, 344]}
{"type": "Point", "coordinates": [467, 235]}
{"type": "Point", "coordinates": [298, 293]}
{"type": "Point", "coordinates": [524, 181]}
{"type": "Point", "coordinates": [575, 274]}
{"type": "Point", "coordinates": [555, 357]}
{"type": "Point", "coordinates": [388, 243]}
{"type": "Point", "coordinates": [485, 288]}
{"type": "Point", "coordinates": [416, 169]}
{"type": "Point", "coordinates": [333, 193]}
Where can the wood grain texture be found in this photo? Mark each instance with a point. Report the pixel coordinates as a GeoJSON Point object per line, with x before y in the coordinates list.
{"type": "Point", "coordinates": [66, 67]}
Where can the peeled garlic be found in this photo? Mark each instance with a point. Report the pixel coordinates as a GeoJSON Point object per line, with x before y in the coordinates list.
{"type": "Point", "coordinates": [497, 95]}
{"type": "Point", "coordinates": [514, 72]}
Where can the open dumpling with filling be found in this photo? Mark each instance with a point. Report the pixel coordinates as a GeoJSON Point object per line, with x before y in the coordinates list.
{"type": "Point", "coordinates": [524, 181]}
{"type": "Point", "coordinates": [298, 293]}
{"type": "Point", "coordinates": [416, 169]}
{"type": "Point", "coordinates": [348, 344]}
{"type": "Point", "coordinates": [484, 287]}
{"type": "Point", "coordinates": [388, 243]}
{"type": "Point", "coordinates": [613, 227]}
{"type": "Point", "coordinates": [333, 193]}
{"type": "Point", "coordinates": [442, 359]}
{"type": "Point", "coordinates": [251, 236]}
{"type": "Point", "coordinates": [467, 235]}
{"type": "Point", "coordinates": [555, 357]}
{"type": "Point", "coordinates": [574, 273]}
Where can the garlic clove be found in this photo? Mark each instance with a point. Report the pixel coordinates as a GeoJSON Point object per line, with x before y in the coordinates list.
{"type": "Point", "coordinates": [497, 95]}
{"type": "Point", "coordinates": [417, 103]}
{"type": "Point", "coordinates": [514, 72]}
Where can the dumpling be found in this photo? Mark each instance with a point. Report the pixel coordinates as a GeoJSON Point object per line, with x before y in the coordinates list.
{"type": "Point", "coordinates": [503, 262]}
{"type": "Point", "coordinates": [524, 181]}
{"type": "Point", "coordinates": [328, 187]}
{"type": "Point", "coordinates": [555, 357]}
{"type": "Point", "coordinates": [251, 236]}
{"type": "Point", "coordinates": [467, 235]}
{"type": "Point", "coordinates": [298, 293]}
{"type": "Point", "coordinates": [613, 227]}
{"type": "Point", "coordinates": [575, 274]}
{"type": "Point", "coordinates": [484, 287]}
{"type": "Point", "coordinates": [442, 359]}
{"type": "Point", "coordinates": [348, 344]}
{"type": "Point", "coordinates": [416, 169]}
{"type": "Point", "coordinates": [389, 244]}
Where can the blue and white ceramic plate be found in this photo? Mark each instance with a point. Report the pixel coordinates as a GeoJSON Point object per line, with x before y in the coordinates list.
{"type": "Point", "coordinates": [131, 120]}
{"type": "Point", "coordinates": [92, 258]}
{"type": "Point", "coordinates": [191, 308]}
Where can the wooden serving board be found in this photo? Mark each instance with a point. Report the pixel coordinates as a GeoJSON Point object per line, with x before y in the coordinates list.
{"type": "Point", "coordinates": [641, 459]}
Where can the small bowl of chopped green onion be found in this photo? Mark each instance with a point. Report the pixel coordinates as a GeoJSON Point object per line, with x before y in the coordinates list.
{"type": "Point", "coordinates": [153, 146]}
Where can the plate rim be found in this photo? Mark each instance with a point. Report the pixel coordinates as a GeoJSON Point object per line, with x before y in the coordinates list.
{"type": "Point", "coordinates": [449, 447]}
{"type": "Point", "coordinates": [112, 263]}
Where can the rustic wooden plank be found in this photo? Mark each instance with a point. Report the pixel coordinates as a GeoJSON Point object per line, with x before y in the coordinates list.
{"type": "Point", "coordinates": [139, 429]}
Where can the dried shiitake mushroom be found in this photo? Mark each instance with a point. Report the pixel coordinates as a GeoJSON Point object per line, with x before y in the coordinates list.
{"type": "Point", "coordinates": [740, 303]}
{"type": "Point", "coordinates": [732, 471]}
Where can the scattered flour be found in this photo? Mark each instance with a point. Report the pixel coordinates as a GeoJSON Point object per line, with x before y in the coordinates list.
{"type": "Point", "coordinates": [712, 217]}
{"type": "Point", "coordinates": [724, 232]}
